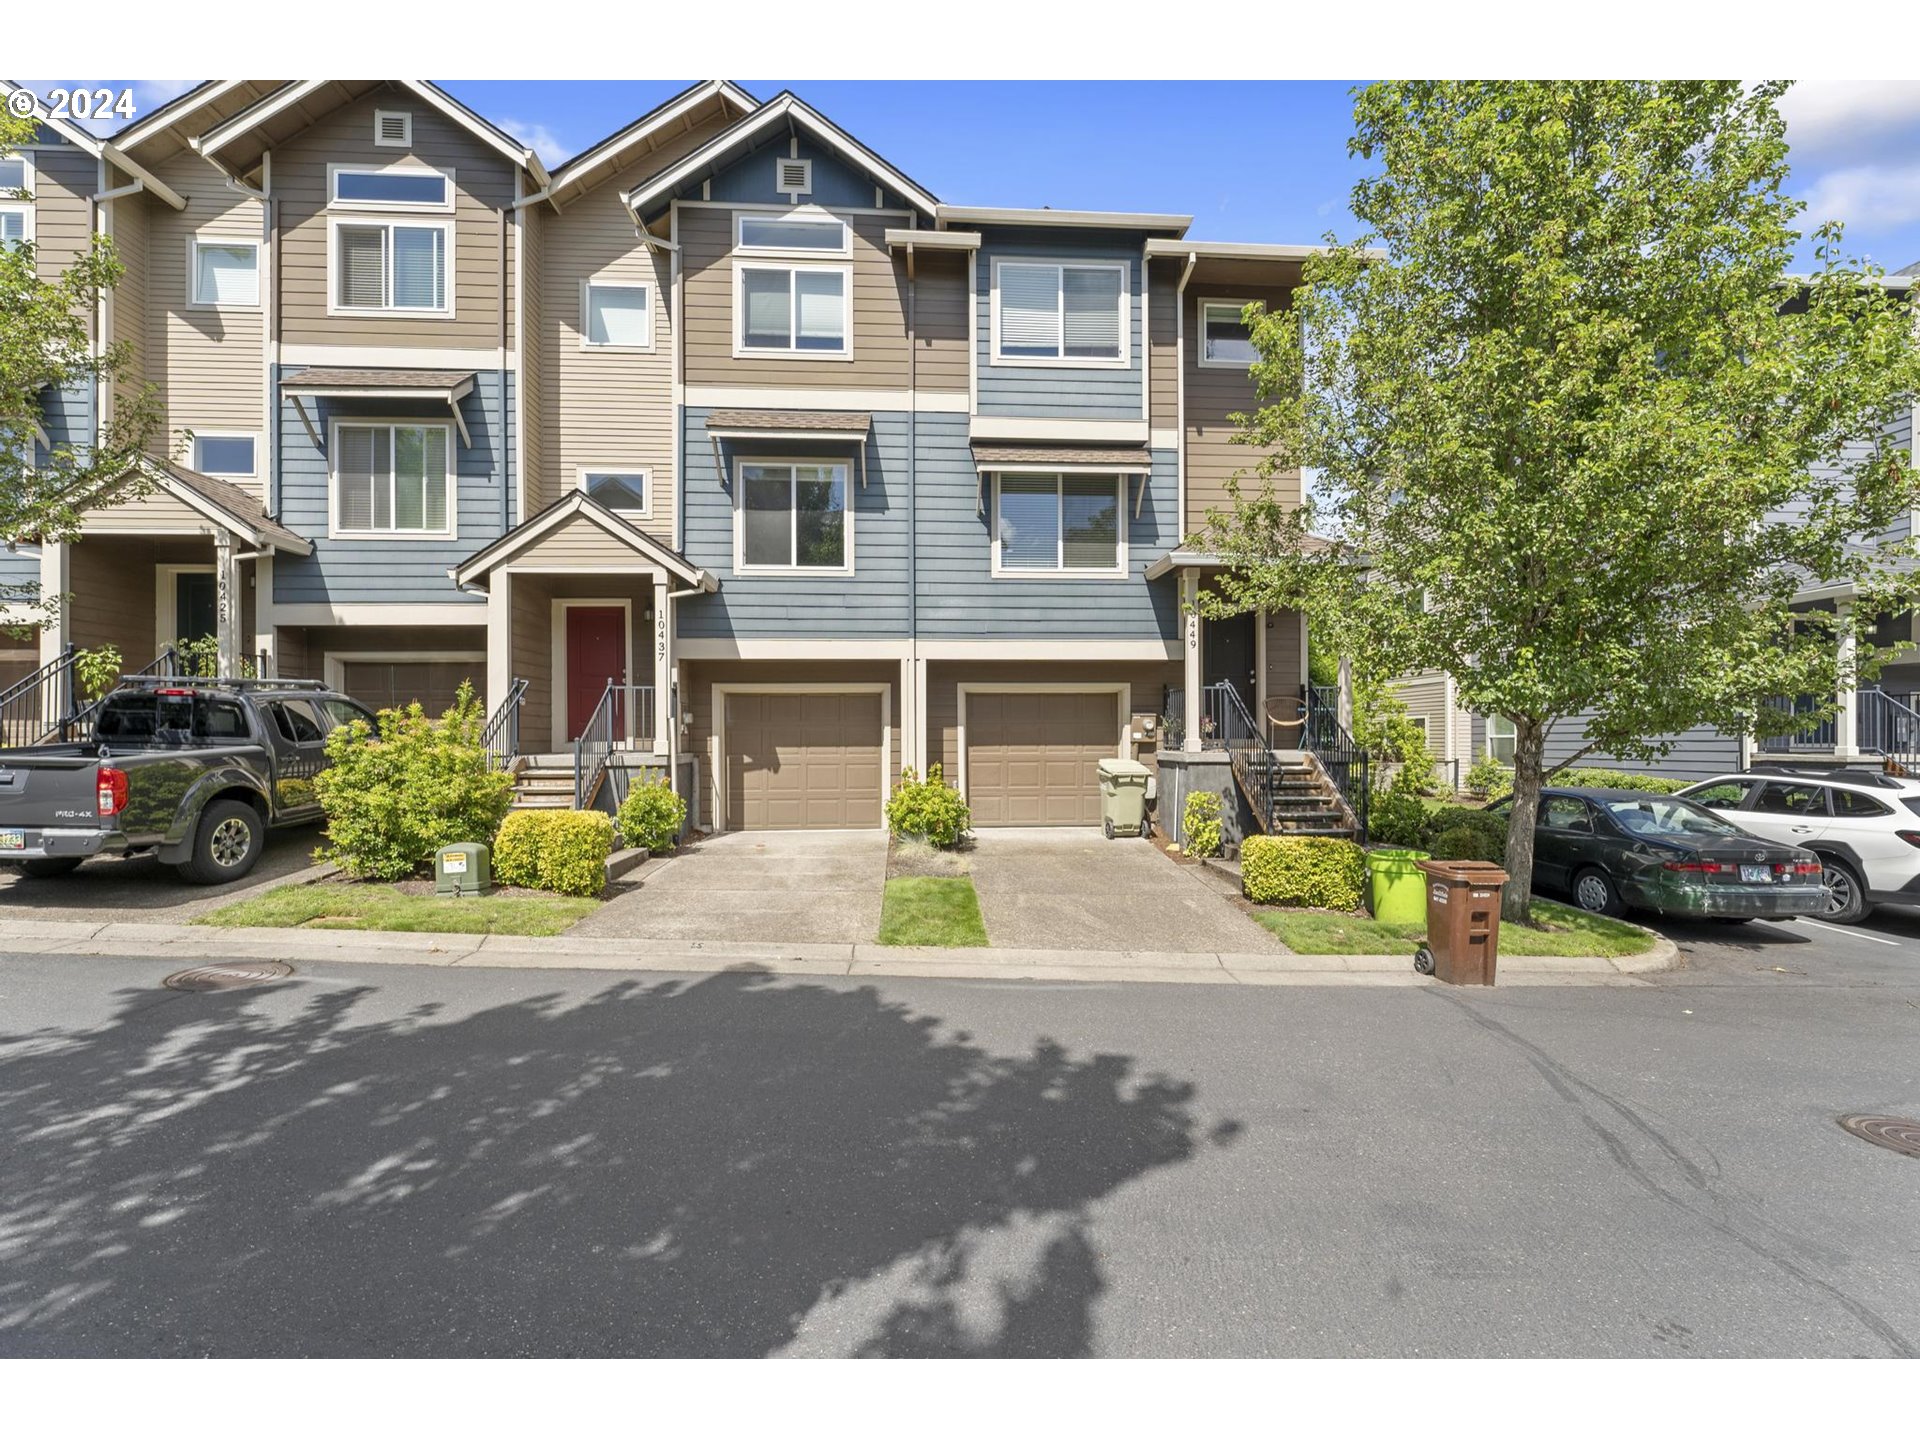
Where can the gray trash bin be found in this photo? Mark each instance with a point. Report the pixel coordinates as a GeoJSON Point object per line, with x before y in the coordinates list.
{"type": "Point", "coordinates": [1123, 797]}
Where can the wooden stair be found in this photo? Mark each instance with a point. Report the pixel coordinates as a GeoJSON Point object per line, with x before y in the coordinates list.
{"type": "Point", "coordinates": [542, 785]}
{"type": "Point", "coordinates": [1297, 792]}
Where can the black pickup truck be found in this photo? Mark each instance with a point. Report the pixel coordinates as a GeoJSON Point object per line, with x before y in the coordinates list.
{"type": "Point", "coordinates": [195, 770]}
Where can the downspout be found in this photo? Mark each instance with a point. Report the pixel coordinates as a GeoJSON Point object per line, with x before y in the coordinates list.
{"type": "Point", "coordinates": [913, 468]}
{"type": "Point", "coordinates": [1180, 385]}
{"type": "Point", "coordinates": [500, 389]}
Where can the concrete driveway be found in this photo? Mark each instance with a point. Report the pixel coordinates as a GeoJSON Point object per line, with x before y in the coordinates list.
{"type": "Point", "coordinates": [1073, 889]}
{"type": "Point", "coordinates": [786, 887]}
{"type": "Point", "coordinates": [112, 887]}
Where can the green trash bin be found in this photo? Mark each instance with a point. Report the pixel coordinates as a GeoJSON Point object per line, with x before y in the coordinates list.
{"type": "Point", "coordinates": [1396, 888]}
{"type": "Point", "coordinates": [1123, 797]}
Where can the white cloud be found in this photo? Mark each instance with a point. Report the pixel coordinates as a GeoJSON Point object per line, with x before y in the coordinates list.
{"type": "Point", "coordinates": [543, 141]}
{"type": "Point", "coordinates": [1869, 196]}
{"type": "Point", "coordinates": [1830, 115]}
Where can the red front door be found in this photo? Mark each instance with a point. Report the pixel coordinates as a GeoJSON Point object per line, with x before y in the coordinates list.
{"type": "Point", "coordinates": [596, 653]}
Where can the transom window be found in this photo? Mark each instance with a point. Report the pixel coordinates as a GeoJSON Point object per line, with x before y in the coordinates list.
{"type": "Point", "coordinates": [793, 516]}
{"type": "Point", "coordinates": [791, 310]}
{"type": "Point", "coordinates": [618, 316]}
{"type": "Point", "coordinates": [224, 454]}
{"type": "Point", "coordinates": [226, 272]}
{"type": "Point", "coordinates": [392, 480]}
{"type": "Point", "coordinates": [391, 266]}
{"type": "Point", "coordinates": [1059, 524]}
{"type": "Point", "coordinates": [1225, 338]}
{"type": "Point", "coordinates": [626, 491]}
{"type": "Point", "coordinates": [812, 230]}
{"type": "Point", "coordinates": [1062, 313]}
{"type": "Point", "coordinates": [395, 189]}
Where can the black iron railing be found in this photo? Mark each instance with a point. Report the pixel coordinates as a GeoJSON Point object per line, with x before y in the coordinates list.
{"type": "Point", "coordinates": [1888, 726]}
{"type": "Point", "coordinates": [623, 718]}
{"type": "Point", "coordinates": [38, 707]}
{"type": "Point", "coordinates": [1346, 764]}
{"type": "Point", "coordinates": [166, 663]}
{"type": "Point", "coordinates": [1815, 734]}
{"type": "Point", "coordinates": [1255, 767]}
{"type": "Point", "coordinates": [501, 738]}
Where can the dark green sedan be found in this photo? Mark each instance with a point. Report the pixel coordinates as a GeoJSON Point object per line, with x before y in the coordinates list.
{"type": "Point", "coordinates": [1616, 850]}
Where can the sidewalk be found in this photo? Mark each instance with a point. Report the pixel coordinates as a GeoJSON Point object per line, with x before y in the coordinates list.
{"type": "Point", "coordinates": [197, 944]}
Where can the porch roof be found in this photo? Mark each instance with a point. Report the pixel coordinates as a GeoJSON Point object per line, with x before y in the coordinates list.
{"type": "Point", "coordinates": [1185, 557]}
{"type": "Point", "coordinates": [473, 571]}
{"type": "Point", "coordinates": [219, 502]}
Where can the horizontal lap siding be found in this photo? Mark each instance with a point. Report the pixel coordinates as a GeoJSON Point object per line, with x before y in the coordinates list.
{"type": "Point", "coordinates": [579, 544]}
{"type": "Point", "coordinates": [941, 335]}
{"type": "Point", "coordinates": [484, 190]}
{"type": "Point", "coordinates": [1697, 754]}
{"type": "Point", "coordinates": [64, 177]}
{"type": "Point", "coordinates": [1058, 391]}
{"type": "Point", "coordinates": [129, 224]}
{"type": "Point", "coordinates": [366, 570]}
{"type": "Point", "coordinates": [1149, 681]}
{"type": "Point", "coordinates": [1163, 338]}
{"type": "Point", "coordinates": [1284, 631]}
{"type": "Point", "coordinates": [1212, 395]}
{"type": "Point", "coordinates": [533, 658]}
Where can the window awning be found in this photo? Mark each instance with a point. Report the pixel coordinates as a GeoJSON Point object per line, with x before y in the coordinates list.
{"type": "Point", "coordinates": [848, 426]}
{"type": "Point", "coordinates": [1060, 459]}
{"type": "Point", "coordinates": [448, 387]}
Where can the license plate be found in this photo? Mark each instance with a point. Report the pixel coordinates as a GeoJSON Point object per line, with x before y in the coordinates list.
{"type": "Point", "coordinates": [13, 839]}
{"type": "Point", "coordinates": [1757, 874]}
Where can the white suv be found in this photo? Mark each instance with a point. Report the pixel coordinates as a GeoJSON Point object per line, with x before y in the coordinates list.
{"type": "Point", "coordinates": [1864, 826]}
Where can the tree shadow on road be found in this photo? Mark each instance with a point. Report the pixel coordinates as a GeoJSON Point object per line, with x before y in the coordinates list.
{"type": "Point", "coordinates": [666, 1168]}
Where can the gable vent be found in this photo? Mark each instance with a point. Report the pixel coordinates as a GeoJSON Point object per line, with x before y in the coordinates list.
{"type": "Point", "coordinates": [392, 127]}
{"type": "Point", "coordinates": [793, 177]}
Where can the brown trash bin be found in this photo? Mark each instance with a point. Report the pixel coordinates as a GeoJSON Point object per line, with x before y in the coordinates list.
{"type": "Point", "coordinates": [1463, 919]}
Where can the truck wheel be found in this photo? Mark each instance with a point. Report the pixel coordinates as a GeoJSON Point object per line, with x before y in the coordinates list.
{"type": "Point", "coordinates": [51, 866]}
{"type": "Point", "coordinates": [1593, 890]}
{"type": "Point", "coordinates": [226, 845]}
{"type": "Point", "coordinates": [1846, 895]}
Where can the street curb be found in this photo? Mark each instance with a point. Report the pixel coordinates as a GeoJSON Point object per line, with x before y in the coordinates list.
{"type": "Point", "coordinates": [201, 943]}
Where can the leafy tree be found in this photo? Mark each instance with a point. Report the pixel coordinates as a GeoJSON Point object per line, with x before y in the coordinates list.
{"type": "Point", "coordinates": [1561, 396]}
{"type": "Point", "coordinates": [46, 346]}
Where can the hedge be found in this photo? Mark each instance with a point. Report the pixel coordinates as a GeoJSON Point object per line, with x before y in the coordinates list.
{"type": "Point", "coordinates": [1305, 870]}
{"type": "Point", "coordinates": [560, 850]}
{"type": "Point", "coordinates": [1489, 778]}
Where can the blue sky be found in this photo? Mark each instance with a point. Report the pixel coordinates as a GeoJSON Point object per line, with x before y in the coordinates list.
{"type": "Point", "coordinates": [1253, 160]}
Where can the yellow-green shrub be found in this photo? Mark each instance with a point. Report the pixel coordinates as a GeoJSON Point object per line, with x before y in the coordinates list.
{"type": "Point", "coordinates": [1307, 870]}
{"type": "Point", "coordinates": [560, 850]}
{"type": "Point", "coordinates": [1200, 823]}
{"type": "Point", "coordinates": [652, 817]}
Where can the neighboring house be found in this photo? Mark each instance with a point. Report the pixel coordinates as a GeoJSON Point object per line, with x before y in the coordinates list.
{"type": "Point", "coordinates": [827, 478]}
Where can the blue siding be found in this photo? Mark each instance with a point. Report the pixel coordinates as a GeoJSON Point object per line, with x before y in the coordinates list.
{"type": "Point", "coordinates": [1057, 390]}
{"type": "Point", "coordinates": [750, 179]}
{"type": "Point", "coordinates": [396, 571]}
{"type": "Point", "coordinates": [1697, 754]}
{"type": "Point", "coordinates": [67, 416]}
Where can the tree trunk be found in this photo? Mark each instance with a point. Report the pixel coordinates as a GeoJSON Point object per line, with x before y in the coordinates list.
{"type": "Point", "coordinates": [1529, 746]}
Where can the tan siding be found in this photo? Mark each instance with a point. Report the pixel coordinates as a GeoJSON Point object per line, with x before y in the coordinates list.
{"type": "Point", "coordinates": [879, 311]}
{"type": "Point", "coordinates": [484, 190]}
{"type": "Point", "coordinates": [532, 226]}
{"type": "Point", "coordinates": [1425, 696]}
{"type": "Point", "coordinates": [63, 178]}
{"type": "Point", "coordinates": [207, 363]}
{"type": "Point", "coordinates": [1283, 654]}
{"type": "Point", "coordinates": [579, 544]}
{"type": "Point", "coordinates": [112, 600]}
{"type": "Point", "coordinates": [940, 327]}
{"type": "Point", "coordinates": [153, 513]}
{"type": "Point", "coordinates": [291, 654]}
{"type": "Point", "coordinates": [1212, 395]}
{"type": "Point", "coordinates": [533, 659]}
{"type": "Point", "coordinates": [1163, 339]}
{"type": "Point", "coordinates": [1149, 679]}
{"type": "Point", "coordinates": [127, 306]}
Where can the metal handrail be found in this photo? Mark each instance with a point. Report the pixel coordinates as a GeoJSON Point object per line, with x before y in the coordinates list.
{"type": "Point", "coordinates": [41, 704]}
{"type": "Point", "coordinates": [605, 729]}
{"type": "Point", "coordinates": [501, 738]}
{"type": "Point", "coordinates": [161, 667]}
{"type": "Point", "coordinates": [1255, 766]}
{"type": "Point", "coordinates": [1343, 759]}
{"type": "Point", "coordinates": [1886, 726]}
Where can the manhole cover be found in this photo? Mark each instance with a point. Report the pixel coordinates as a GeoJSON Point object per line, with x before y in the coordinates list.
{"type": "Point", "coordinates": [1892, 1132]}
{"type": "Point", "coordinates": [232, 975]}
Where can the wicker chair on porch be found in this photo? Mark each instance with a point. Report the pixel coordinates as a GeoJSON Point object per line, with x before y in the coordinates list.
{"type": "Point", "coordinates": [1286, 719]}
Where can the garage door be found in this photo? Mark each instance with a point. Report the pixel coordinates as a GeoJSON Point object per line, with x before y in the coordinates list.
{"type": "Point", "coordinates": [385, 684]}
{"type": "Point", "coordinates": [803, 762]}
{"type": "Point", "coordinates": [1033, 759]}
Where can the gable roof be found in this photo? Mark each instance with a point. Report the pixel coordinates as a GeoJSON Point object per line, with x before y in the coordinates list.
{"type": "Point", "coordinates": [221, 502]}
{"type": "Point", "coordinates": [224, 137]}
{"type": "Point", "coordinates": [224, 98]}
{"type": "Point", "coordinates": [93, 145]}
{"type": "Point", "coordinates": [577, 502]}
{"type": "Point", "coordinates": [66, 131]}
{"type": "Point", "coordinates": [604, 154]}
{"type": "Point", "coordinates": [785, 111]}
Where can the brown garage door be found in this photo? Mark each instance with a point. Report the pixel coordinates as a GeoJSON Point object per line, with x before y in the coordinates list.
{"type": "Point", "coordinates": [385, 684]}
{"type": "Point", "coordinates": [803, 762]}
{"type": "Point", "coordinates": [1033, 759]}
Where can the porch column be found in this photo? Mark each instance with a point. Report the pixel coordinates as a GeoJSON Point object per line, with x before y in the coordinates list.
{"type": "Point", "coordinates": [266, 637]}
{"type": "Point", "coordinates": [1190, 650]}
{"type": "Point", "coordinates": [1846, 720]}
{"type": "Point", "coordinates": [922, 741]}
{"type": "Point", "coordinates": [663, 736]}
{"type": "Point", "coordinates": [55, 560]}
{"type": "Point", "coordinates": [226, 591]}
{"type": "Point", "coordinates": [500, 639]}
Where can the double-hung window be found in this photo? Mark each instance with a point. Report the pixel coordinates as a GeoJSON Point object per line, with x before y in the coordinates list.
{"type": "Point", "coordinates": [616, 316]}
{"type": "Point", "coordinates": [1060, 314]}
{"type": "Point", "coordinates": [1225, 339]}
{"type": "Point", "coordinates": [226, 273]}
{"type": "Point", "coordinates": [1059, 525]}
{"type": "Point", "coordinates": [793, 515]}
{"type": "Point", "coordinates": [799, 310]}
{"type": "Point", "coordinates": [392, 479]}
{"type": "Point", "coordinates": [390, 266]}
{"type": "Point", "coordinates": [16, 213]}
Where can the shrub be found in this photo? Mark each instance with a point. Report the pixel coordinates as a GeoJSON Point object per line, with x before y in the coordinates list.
{"type": "Point", "coordinates": [651, 817]}
{"type": "Point", "coordinates": [1491, 830]}
{"type": "Point", "coordinates": [98, 670]}
{"type": "Point", "coordinates": [1488, 777]}
{"type": "Point", "coordinates": [929, 808]}
{"type": "Point", "coordinates": [564, 851]}
{"type": "Point", "coordinates": [1200, 823]}
{"type": "Point", "coordinates": [1308, 870]}
{"type": "Point", "coordinates": [1396, 816]}
{"type": "Point", "coordinates": [1468, 842]}
{"type": "Point", "coordinates": [1598, 779]}
{"type": "Point", "coordinates": [395, 795]}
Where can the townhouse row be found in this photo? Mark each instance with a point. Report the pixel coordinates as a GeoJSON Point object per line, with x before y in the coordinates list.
{"type": "Point", "coordinates": [726, 437]}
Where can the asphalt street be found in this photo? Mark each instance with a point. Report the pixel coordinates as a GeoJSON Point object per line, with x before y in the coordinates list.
{"type": "Point", "coordinates": [390, 1160]}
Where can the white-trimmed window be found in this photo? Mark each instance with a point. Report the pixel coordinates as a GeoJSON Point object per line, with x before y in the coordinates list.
{"type": "Point", "coordinates": [1067, 313]}
{"type": "Point", "coordinates": [779, 232]}
{"type": "Point", "coordinates": [792, 515]}
{"type": "Point", "coordinates": [393, 129]}
{"type": "Point", "coordinates": [626, 492]}
{"type": "Point", "coordinates": [616, 315]}
{"type": "Point", "coordinates": [389, 187]}
{"type": "Point", "coordinates": [392, 479]}
{"type": "Point", "coordinates": [1500, 739]}
{"type": "Point", "coordinates": [230, 456]}
{"type": "Point", "coordinates": [391, 267]}
{"type": "Point", "coordinates": [225, 273]}
{"type": "Point", "coordinates": [1060, 524]}
{"type": "Point", "coordinates": [1226, 341]}
{"type": "Point", "coordinates": [798, 310]}
{"type": "Point", "coordinates": [16, 215]}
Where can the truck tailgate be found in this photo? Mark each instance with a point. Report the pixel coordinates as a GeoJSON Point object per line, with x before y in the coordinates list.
{"type": "Point", "coordinates": [48, 803]}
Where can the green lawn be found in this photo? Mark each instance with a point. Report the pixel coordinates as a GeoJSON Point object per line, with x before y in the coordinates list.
{"type": "Point", "coordinates": [931, 910]}
{"type": "Point", "coordinates": [381, 907]}
{"type": "Point", "coordinates": [1564, 931]}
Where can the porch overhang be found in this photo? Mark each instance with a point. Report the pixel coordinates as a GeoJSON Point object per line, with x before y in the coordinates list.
{"type": "Point", "coordinates": [849, 427]}
{"type": "Point", "coordinates": [443, 387]}
{"type": "Point", "coordinates": [991, 459]}
{"type": "Point", "coordinates": [223, 505]}
{"type": "Point", "coordinates": [1183, 558]}
{"type": "Point", "coordinates": [473, 572]}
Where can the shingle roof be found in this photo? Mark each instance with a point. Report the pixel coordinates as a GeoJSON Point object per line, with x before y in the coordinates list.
{"type": "Point", "coordinates": [1133, 456]}
{"type": "Point", "coordinates": [838, 421]}
{"type": "Point", "coordinates": [240, 505]}
{"type": "Point", "coordinates": [318, 379]}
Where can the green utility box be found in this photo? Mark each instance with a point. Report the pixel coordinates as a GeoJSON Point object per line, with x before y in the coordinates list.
{"type": "Point", "coordinates": [1123, 797]}
{"type": "Point", "coordinates": [464, 869]}
{"type": "Point", "coordinates": [1396, 890]}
